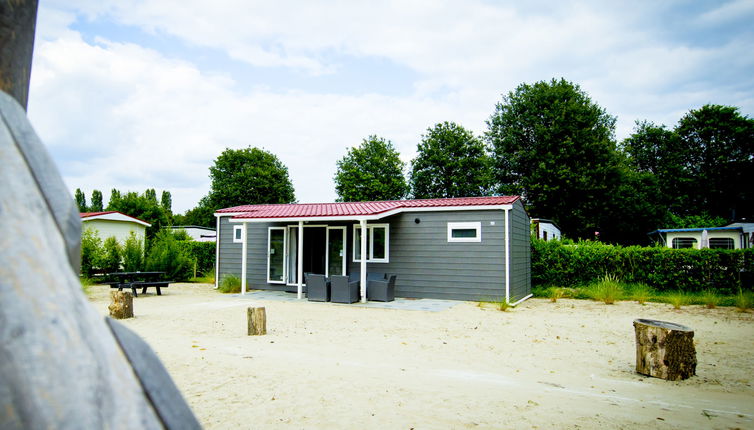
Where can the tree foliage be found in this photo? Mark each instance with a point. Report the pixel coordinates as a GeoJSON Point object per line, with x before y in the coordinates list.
{"type": "Point", "coordinates": [166, 201]}
{"type": "Point", "coordinates": [451, 162]}
{"type": "Point", "coordinates": [80, 200]}
{"type": "Point", "coordinates": [202, 215]}
{"type": "Point", "coordinates": [372, 171]}
{"type": "Point", "coordinates": [249, 176]}
{"type": "Point", "coordinates": [554, 146]}
{"type": "Point", "coordinates": [142, 206]}
{"type": "Point", "coordinates": [96, 201]}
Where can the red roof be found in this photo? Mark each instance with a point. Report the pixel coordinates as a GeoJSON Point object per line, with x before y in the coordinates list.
{"type": "Point", "coordinates": [349, 209]}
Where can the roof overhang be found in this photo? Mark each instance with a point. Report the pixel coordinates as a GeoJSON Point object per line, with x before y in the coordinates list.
{"type": "Point", "coordinates": [116, 216]}
{"type": "Point", "coordinates": [239, 217]}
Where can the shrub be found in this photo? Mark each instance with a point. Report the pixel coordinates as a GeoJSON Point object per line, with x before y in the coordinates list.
{"type": "Point", "coordinates": [112, 255]}
{"type": "Point", "coordinates": [133, 253]}
{"type": "Point", "coordinates": [203, 253]}
{"type": "Point", "coordinates": [564, 264]}
{"type": "Point", "coordinates": [555, 293]}
{"type": "Point", "coordinates": [608, 289]}
{"type": "Point", "coordinates": [230, 284]}
{"type": "Point", "coordinates": [166, 255]}
{"type": "Point", "coordinates": [91, 252]}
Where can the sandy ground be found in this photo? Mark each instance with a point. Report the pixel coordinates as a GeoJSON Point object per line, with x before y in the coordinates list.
{"type": "Point", "coordinates": [543, 365]}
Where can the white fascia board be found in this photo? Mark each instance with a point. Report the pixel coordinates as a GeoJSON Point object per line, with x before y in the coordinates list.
{"type": "Point", "coordinates": [219, 215]}
{"type": "Point", "coordinates": [375, 216]}
{"type": "Point", "coordinates": [116, 217]}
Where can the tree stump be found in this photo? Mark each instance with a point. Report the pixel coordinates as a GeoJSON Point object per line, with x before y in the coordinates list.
{"type": "Point", "coordinates": [664, 350]}
{"type": "Point", "coordinates": [122, 305]}
{"type": "Point", "coordinates": [257, 321]}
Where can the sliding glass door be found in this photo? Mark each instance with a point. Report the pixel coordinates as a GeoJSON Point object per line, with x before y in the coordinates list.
{"type": "Point", "coordinates": [336, 251]}
{"type": "Point", "coordinates": [276, 255]}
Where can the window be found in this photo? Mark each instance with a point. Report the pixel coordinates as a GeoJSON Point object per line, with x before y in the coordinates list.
{"type": "Point", "coordinates": [684, 242]}
{"type": "Point", "coordinates": [378, 243]}
{"type": "Point", "coordinates": [464, 232]}
{"type": "Point", "coordinates": [721, 243]}
{"type": "Point", "coordinates": [237, 234]}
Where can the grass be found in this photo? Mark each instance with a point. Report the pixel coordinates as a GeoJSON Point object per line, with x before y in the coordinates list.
{"type": "Point", "coordinates": [230, 284]}
{"type": "Point", "coordinates": [640, 292]}
{"type": "Point", "coordinates": [678, 299]}
{"type": "Point", "coordinates": [499, 304]}
{"type": "Point", "coordinates": [710, 299]}
{"type": "Point", "coordinates": [207, 279]}
{"type": "Point", "coordinates": [744, 301]}
{"type": "Point", "coordinates": [86, 284]}
{"type": "Point", "coordinates": [608, 289]}
{"type": "Point", "coordinates": [555, 293]}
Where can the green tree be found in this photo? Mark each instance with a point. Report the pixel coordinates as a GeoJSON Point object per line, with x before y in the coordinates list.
{"type": "Point", "coordinates": [91, 251]}
{"type": "Point", "coordinates": [143, 207]}
{"type": "Point", "coordinates": [96, 201]}
{"type": "Point", "coordinates": [80, 200]}
{"type": "Point", "coordinates": [451, 162]}
{"type": "Point", "coordinates": [554, 146]}
{"type": "Point", "coordinates": [203, 214]}
{"type": "Point", "coordinates": [114, 197]}
{"type": "Point", "coordinates": [249, 176]}
{"type": "Point", "coordinates": [166, 201]}
{"type": "Point", "coordinates": [719, 144]}
{"type": "Point", "coordinates": [372, 171]}
{"type": "Point", "coordinates": [167, 255]}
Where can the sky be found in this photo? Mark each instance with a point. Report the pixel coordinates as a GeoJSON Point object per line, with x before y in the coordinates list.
{"type": "Point", "coordinates": [146, 94]}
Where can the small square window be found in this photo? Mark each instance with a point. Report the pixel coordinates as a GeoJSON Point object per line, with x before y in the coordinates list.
{"type": "Point", "coordinates": [237, 234]}
{"type": "Point", "coordinates": [464, 232]}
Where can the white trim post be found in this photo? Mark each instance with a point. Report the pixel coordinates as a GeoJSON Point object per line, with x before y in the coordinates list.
{"type": "Point", "coordinates": [244, 252]}
{"type": "Point", "coordinates": [507, 259]}
{"type": "Point", "coordinates": [217, 252]}
{"type": "Point", "coordinates": [300, 268]}
{"type": "Point", "coordinates": [363, 280]}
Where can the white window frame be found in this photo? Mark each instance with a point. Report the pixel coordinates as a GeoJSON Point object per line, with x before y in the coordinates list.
{"type": "Point", "coordinates": [475, 225]}
{"type": "Point", "coordinates": [285, 254]}
{"type": "Point", "coordinates": [370, 250]}
{"type": "Point", "coordinates": [235, 229]}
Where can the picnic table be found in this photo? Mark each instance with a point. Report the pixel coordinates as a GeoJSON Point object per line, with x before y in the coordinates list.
{"type": "Point", "coordinates": [134, 280]}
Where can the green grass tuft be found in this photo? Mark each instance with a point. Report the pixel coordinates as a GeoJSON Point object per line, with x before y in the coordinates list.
{"type": "Point", "coordinates": [608, 290]}
{"type": "Point", "coordinates": [710, 299]}
{"type": "Point", "coordinates": [230, 284]}
{"type": "Point", "coordinates": [640, 292]}
{"type": "Point", "coordinates": [677, 299]}
{"type": "Point", "coordinates": [744, 301]}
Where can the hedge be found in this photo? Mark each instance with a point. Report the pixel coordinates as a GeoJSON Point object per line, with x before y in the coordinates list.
{"type": "Point", "coordinates": [203, 253]}
{"type": "Point", "coordinates": [556, 263]}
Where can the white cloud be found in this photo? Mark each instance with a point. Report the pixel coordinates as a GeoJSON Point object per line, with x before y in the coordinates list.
{"type": "Point", "coordinates": [127, 106]}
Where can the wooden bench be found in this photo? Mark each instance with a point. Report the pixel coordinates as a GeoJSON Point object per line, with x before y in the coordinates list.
{"type": "Point", "coordinates": [156, 284]}
{"type": "Point", "coordinates": [120, 286]}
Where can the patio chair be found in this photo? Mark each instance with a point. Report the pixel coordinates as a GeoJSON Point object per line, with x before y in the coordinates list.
{"type": "Point", "coordinates": [318, 288]}
{"type": "Point", "coordinates": [343, 290]}
{"type": "Point", "coordinates": [382, 291]}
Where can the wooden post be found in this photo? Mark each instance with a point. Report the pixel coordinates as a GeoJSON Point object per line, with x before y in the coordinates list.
{"type": "Point", "coordinates": [257, 320]}
{"type": "Point", "coordinates": [122, 305]}
{"type": "Point", "coordinates": [664, 350]}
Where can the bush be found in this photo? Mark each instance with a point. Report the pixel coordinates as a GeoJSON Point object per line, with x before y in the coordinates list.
{"type": "Point", "coordinates": [133, 254]}
{"type": "Point", "coordinates": [91, 252]}
{"type": "Point", "coordinates": [230, 284]}
{"type": "Point", "coordinates": [112, 255]}
{"type": "Point", "coordinates": [166, 255]}
{"type": "Point", "coordinates": [203, 253]}
{"type": "Point", "coordinates": [562, 264]}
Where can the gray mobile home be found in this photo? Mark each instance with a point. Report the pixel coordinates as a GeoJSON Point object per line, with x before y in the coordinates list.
{"type": "Point", "coordinates": [471, 248]}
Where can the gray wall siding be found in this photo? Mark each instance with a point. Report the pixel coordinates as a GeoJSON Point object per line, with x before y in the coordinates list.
{"type": "Point", "coordinates": [520, 273]}
{"type": "Point", "coordinates": [428, 265]}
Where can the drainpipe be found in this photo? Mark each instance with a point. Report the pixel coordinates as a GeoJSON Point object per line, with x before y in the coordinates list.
{"type": "Point", "coordinates": [217, 252]}
{"type": "Point", "coordinates": [507, 258]}
{"type": "Point", "coordinates": [300, 260]}
{"type": "Point", "coordinates": [363, 280]}
{"type": "Point", "coordinates": [244, 251]}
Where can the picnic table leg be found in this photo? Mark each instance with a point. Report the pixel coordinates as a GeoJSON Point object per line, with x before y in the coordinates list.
{"type": "Point", "coordinates": [144, 290]}
{"type": "Point", "coordinates": [159, 293]}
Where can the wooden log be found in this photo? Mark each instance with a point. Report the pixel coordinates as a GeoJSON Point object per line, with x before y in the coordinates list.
{"type": "Point", "coordinates": [121, 305]}
{"type": "Point", "coordinates": [664, 350]}
{"type": "Point", "coordinates": [257, 320]}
